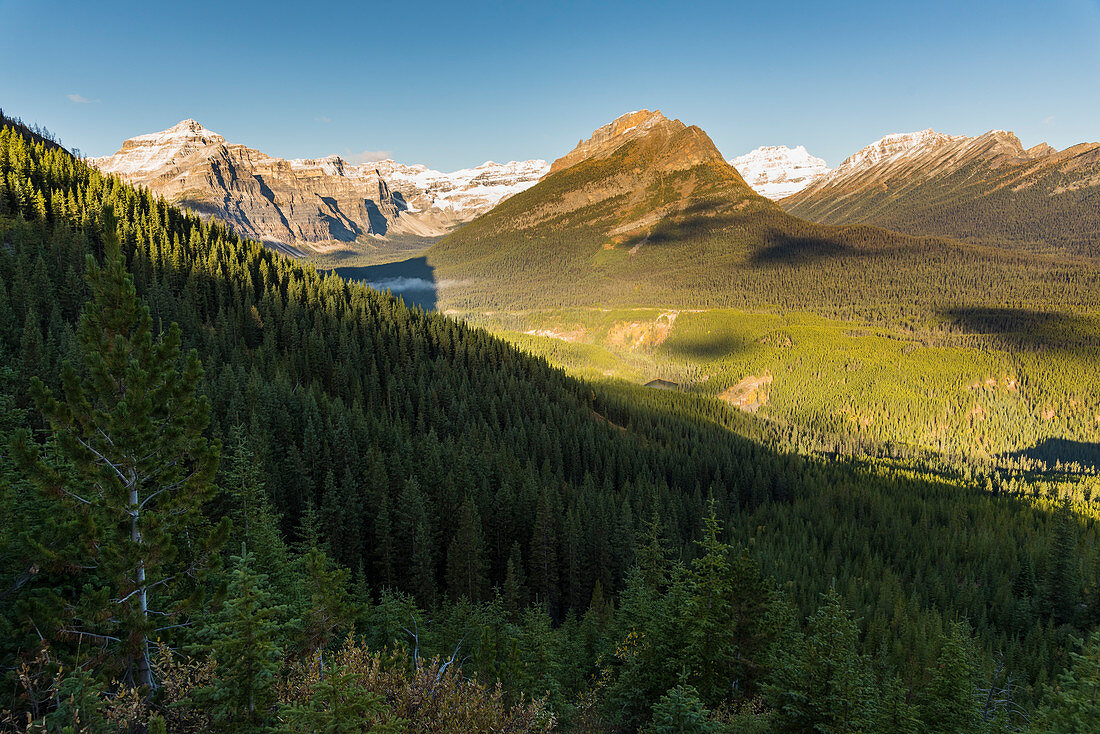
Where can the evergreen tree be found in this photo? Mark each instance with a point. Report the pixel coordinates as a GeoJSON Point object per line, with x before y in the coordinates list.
{"type": "Point", "coordinates": [515, 583]}
{"type": "Point", "coordinates": [242, 641]}
{"type": "Point", "coordinates": [467, 566]}
{"type": "Point", "coordinates": [1063, 582]}
{"type": "Point", "coordinates": [255, 524]}
{"type": "Point", "coordinates": [1074, 702]}
{"type": "Point", "coordinates": [131, 460]}
{"type": "Point", "coordinates": [325, 607]}
{"type": "Point", "coordinates": [544, 553]}
{"type": "Point", "coordinates": [948, 702]}
{"type": "Point", "coordinates": [824, 685]}
{"type": "Point", "coordinates": [726, 644]}
{"type": "Point", "coordinates": [681, 712]}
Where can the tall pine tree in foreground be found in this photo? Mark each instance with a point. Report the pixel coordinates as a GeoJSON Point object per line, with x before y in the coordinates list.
{"type": "Point", "coordinates": [129, 462]}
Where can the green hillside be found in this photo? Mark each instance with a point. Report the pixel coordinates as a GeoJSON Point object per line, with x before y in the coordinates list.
{"type": "Point", "coordinates": [396, 489]}
{"type": "Point", "coordinates": [631, 229]}
{"type": "Point", "coordinates": [889, 337]}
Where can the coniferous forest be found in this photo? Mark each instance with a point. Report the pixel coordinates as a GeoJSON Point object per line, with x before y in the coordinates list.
{"type": "Point", "coordinates": [242, 495]}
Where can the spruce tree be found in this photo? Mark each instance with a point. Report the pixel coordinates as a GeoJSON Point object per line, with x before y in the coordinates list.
{"type": "Point", "coordinates": [824, 684]}
{"type": "Point", "coordinates": [1063, 580]}
{"type": "Point", "coordinates": [947, 704]}
{"type": "Point", "coordinates": [681, 712]}
{"type": "Point", "coordinates": [242, 641]}
{"type": "Point", "coordinates": [467, 567]}
{"type": "Point", "coordinates": [1074, 702]}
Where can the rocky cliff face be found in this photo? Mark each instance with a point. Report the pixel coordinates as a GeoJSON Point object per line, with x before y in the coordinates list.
{"type": "Point", "coordinates": [776, 171]}
{"type": "Point", "coordinates": [306, 204]}
{"type": "Point", "coordinates": [986, 188]}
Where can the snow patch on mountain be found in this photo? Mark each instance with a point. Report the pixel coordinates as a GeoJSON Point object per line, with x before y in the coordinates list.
{"type": "Point", "coordinates": [153, 152]}
{"type": "Point", "coordinates": [461, 194]}
{"type": "Point", "coordinates": [776, 171]}
{"type": "Point", "coordinates": [893, 147]}
{"type": "Point", "coordinates": [467, 189]}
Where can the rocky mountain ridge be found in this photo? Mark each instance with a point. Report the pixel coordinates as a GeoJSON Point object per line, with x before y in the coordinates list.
{"type": "Point", "coordinates": [986, 188]}
{"type": "Point", "coordinates": [311, 204]}
{"type": "Point", "coordinates": [776, 171]}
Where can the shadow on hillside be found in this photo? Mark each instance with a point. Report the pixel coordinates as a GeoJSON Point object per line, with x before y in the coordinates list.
{"type": "Point", "coordinates": [704, 347]}
{"type": "Point", "coordinates": [1064, 450]}
{"type": "Point", "coordinates": [1039, 331]}
{"type": "Point", "coordinates": [782, 248]}
{"type": "Point", "coordinates": [698, 220]}
{"type": "Point", "coordinates": [412, 280]}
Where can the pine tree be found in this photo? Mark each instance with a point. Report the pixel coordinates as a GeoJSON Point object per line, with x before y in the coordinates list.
{"type": "Point", "coordinates": [1063, 582]}
{"type": "Point", "coordinates": [131, 429]}
{"type": "Point", "coordinates": [726, 644]}
{"type": "Point", "coordinates": [242, 641]}
{"type": "Point", "coordinates": [824, 684]}
{"type": "Point", "coordinates": [947, 704]}
{"type": "Point", "coordinates": [1074, 702]}
{"type": "Point", "coordinates": [467, 566]}
{"type": "Point", "coordinates": [515, 584]}
{"type": "Point", "coordinates": [681, 712]}
{"type": "Point", "coordinates": [324, 607]}
{"type": "Point", "coordinates": [544, 554]}
{"type": "Point", "coordinates": [254, 522]}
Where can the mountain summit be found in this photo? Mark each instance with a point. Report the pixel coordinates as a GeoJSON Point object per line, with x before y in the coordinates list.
{"type": "Point", "coordinates": [319, 204]}
{"type": "Point", "coordinates": [631, 176]}
{"type": "Point", "coordinates": [645, 210]}
{"type": "Point", "coordinates": [776, 171]}
{"type": "Point", "coordinates": [986, 188]}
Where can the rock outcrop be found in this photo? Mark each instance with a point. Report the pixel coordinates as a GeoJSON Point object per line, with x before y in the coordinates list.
{"type": "Point", "coordinates": [316, 204]}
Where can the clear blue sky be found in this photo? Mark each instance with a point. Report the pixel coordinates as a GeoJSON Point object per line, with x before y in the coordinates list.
{"type": "Point", "coordinates": [452, 85]}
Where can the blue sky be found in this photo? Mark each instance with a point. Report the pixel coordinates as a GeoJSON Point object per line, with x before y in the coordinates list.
{"type": "Point", "coordinates": [452, 85]}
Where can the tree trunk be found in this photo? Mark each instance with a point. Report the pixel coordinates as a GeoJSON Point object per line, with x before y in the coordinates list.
{"type": "Point", "coordinates": [144, 668]}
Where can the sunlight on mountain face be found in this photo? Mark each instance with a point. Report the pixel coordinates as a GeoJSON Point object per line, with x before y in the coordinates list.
{"type": "Point", "coordinates": [650, 438]}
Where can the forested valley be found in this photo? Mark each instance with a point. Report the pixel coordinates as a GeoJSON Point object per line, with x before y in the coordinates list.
{"type": "Point", "coordinates": [240, 495]}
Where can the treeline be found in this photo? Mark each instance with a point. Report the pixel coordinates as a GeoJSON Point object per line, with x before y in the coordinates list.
{"type": "Point", "coordinates": [393, 483]}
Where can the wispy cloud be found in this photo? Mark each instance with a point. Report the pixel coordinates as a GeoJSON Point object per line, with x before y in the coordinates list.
{"type": "Point", "coordinates": [81, 99]}
{"type": "Point", "coordinates": [1048, 120]}
{"type": "Point", "coordinates": [367, 156]}
{"type": "Point", "coordinates": [322, 118]}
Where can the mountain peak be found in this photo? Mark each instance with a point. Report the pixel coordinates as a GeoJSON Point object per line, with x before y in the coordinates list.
{"type": "Point", "coordinates": [184, 130]}
{"type": "Point", "coordinates": [897, 146]}
{"type": "Point", "coordinates": [610, 137]}
{"type": "Point", "coordinates": [262, 196]}
{"type": "Point", "coordinates": [188, 125]}
{"type": "Point", "coordinates": [776, 171]}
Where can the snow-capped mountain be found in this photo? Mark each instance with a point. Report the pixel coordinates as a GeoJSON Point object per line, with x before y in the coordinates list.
{"type": "Point", "coordinates": [776, 171]}
{"type": "Point", "coordinates": [316, 203]}
{"type": "Point", "coordinates": [985, 188]}
{"type": "Point", "coordinates": [473, 190]}
{"type": "Point", "coordinates": [895, 147]}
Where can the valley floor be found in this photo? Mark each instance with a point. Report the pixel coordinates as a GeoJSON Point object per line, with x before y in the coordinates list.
{"type": "Point", "coordinates": [929, 388]}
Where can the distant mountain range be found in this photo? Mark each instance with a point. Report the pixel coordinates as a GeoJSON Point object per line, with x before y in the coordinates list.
{"type": "Point", "coordinates": [986, 189]}
{"type": "Point", "coordinates": [647, 212]}
{"type": "Point", "coordinates": [309, 205]}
